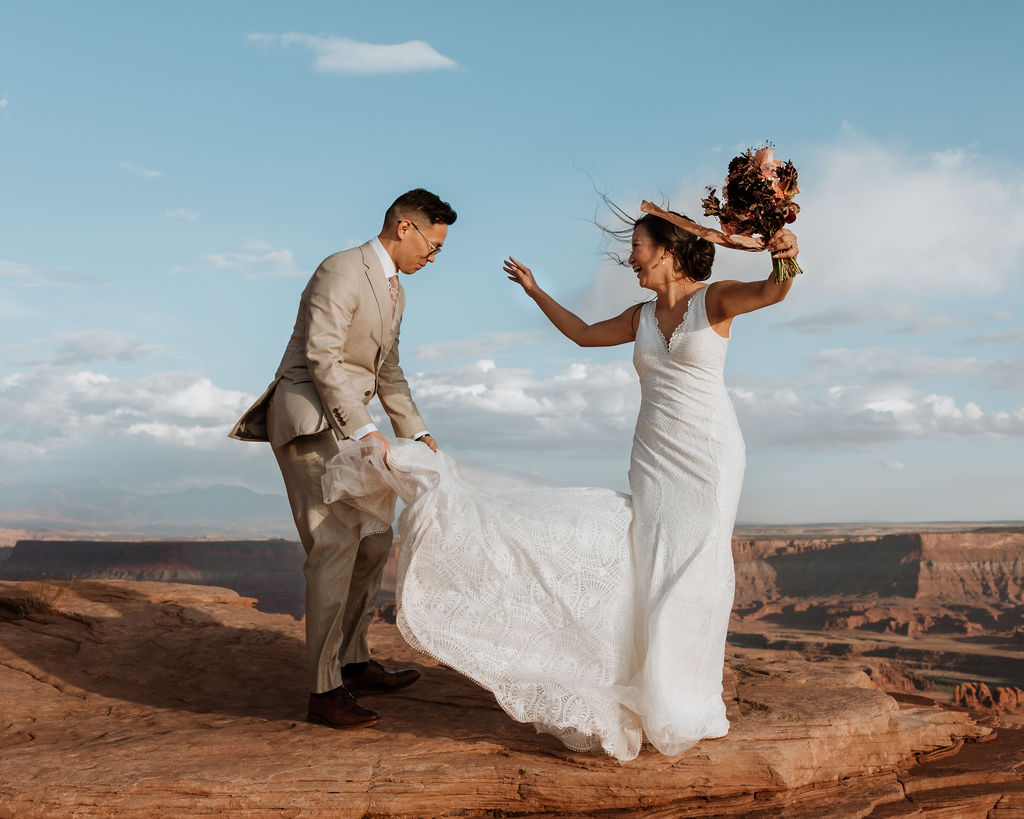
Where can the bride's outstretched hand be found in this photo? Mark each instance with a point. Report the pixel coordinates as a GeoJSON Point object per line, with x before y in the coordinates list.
{"type": "Point", "coordinates": [520, 274]}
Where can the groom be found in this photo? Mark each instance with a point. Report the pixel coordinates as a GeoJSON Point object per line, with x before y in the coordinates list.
{"type": "Point", "coordinates": [342, 352]}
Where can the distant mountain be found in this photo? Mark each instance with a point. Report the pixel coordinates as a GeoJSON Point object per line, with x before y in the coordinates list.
{"type": "Point", "coordinates": [219, 510]}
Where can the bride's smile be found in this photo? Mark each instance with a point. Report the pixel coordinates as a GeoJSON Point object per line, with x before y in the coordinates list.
{"type": "Point", "coordinates": [646, 258]}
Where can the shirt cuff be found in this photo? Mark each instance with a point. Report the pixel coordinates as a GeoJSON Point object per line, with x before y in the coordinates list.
{"type": "Point", "coordinates": [364, 430]}
{"type": "Point", "coordinates": [419, 435]}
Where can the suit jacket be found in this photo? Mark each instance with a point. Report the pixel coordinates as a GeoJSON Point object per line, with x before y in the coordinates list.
{"type": "Point", "coordinates": [342, 352]}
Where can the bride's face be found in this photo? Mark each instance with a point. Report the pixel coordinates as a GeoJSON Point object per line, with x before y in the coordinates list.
{"type": "Point", "coordinates": [650, 262]}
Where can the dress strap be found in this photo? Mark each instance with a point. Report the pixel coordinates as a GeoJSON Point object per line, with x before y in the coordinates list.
{"type": "Point", "coordinates": [700, 313]}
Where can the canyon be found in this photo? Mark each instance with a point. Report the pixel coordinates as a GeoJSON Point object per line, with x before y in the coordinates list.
{"type": "Point", "coordinates": [937, 613]}
{"type": "Point", "coordinates": [931, 611]}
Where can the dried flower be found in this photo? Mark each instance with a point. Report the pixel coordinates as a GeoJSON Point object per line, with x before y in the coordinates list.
{"type": "Point", "coordinates": [758, 200]}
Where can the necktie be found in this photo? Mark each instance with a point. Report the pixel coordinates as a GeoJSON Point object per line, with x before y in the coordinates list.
{"type": "Point", "coordinates": [393, 287]}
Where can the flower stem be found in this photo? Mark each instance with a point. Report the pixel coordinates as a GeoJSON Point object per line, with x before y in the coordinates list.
{"type": "Point", "coordinates": [783, 269]}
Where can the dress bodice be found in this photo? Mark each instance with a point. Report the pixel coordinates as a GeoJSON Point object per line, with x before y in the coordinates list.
{"type": "Point", "coordinates": [685, 370]}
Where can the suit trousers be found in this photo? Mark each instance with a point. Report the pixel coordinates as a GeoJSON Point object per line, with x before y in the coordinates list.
{"type": "Point", "coordinates": [343, 572]}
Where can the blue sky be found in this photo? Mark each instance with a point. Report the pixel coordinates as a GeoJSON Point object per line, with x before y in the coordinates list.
{"type": "Point", "coordinates": [170, 175]}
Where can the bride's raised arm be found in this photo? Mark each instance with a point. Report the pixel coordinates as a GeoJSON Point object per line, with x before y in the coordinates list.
{"type": "Point", "coordinates": [727, 299]}
{"type": "Point", "coordinates": [618, 330]}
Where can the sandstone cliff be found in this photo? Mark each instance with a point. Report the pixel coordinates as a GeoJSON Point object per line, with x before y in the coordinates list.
{"type": "Point", "coordinates": [153, 699]}
{"type": "Point", "coordinates": [269, 570]}
{"type": "Point", "coordinates": [982, 566]}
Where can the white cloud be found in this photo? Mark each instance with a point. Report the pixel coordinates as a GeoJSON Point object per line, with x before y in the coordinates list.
{"type": "Point", "coordinates": [12, 309]}
{"type": "Point", "coordinates": [256, 260]}
{"type": "Point", "coordinates": [21, 273]}
{"type": "Point", "coordinates": [950, 159]}
{"type": "Point", "coordinates": [341, 55]}
{"type": "Point", "coordinates": [3, 102]}
{"type": "Point", "coordinates": [54, 408]}
{"type": "Point", "coordinates": [483, 405]}
{"type": "Point", "coordinates": [89, 345]}
{"type": "Point", "coordinates": [909, 320]}
{"type": "Point", "coordinates": [472, 347]}
{"type": "Point", "coordinates": [195, 436]}
{"type": "Point", "coordinates": [877, 219]}
{"type": "Point", "coordinates": [181, 215]}
{"type": "Point", "coordinates": [574, 425]}
{"type": "Point", "coordinates": [138, 170]}
{"type": "Point", "coordinates": [613, 289]}
{"type": "Point", "coordinates": [30, 276]}
{"type": "Point", "coordinates": [883, 364]}
{"type": "Point", "coordinates": [878, 223]}
{"type": "Point", "coordinates": [888, 365]}
{"type": "Point", "coordinates": [1015, 336]}
{"type": "Point", "coordinates": [843, 416]}
{"type": "Point", "coordinates": [586, 405]}
{"type": "Point", "coordinates": [893, 466]}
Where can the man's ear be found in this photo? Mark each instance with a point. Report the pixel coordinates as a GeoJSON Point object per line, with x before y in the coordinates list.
{"type": "Point", "coordinates": [390, 230]}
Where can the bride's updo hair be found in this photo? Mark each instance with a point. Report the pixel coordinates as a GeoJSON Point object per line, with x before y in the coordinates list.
{"type": "Point", "coordinates": [693, 256]}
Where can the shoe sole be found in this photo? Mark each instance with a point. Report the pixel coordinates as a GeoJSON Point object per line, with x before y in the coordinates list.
{"type": "Point", "coordinates": [316, 719]}
{"type": "Point", "coordinates": [378, 690]}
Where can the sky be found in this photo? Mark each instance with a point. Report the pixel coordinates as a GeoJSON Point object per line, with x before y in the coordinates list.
{"type": "Point", "coordinates": [171, 175]}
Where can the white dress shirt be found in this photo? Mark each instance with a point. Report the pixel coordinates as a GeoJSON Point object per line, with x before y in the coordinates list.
{"type": "Point", "coordinates": [386, 264]}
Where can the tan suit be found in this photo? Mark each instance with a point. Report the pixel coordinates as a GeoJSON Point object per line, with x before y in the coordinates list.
{"type": "Point", "coordinates": [342, 352]}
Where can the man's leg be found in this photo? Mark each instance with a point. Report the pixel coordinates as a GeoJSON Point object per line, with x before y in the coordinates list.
{"type": "Point", "coordinates": [331, 548]}
{"type": "Point", "coordinates": [367, 574]}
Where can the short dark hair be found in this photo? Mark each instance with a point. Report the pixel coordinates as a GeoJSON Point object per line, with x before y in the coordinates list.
{"type": "Point", "coordinates": [422, 204]}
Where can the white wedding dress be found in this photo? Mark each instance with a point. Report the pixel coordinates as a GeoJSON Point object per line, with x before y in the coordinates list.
{"type": "Point", "coordinates": [598, 617]}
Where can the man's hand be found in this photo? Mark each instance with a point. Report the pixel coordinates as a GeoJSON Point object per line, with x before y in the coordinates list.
{"type": "Point", "coordinates": [429, 441]}
{"type": "Point", "coordinates": [384, 441]}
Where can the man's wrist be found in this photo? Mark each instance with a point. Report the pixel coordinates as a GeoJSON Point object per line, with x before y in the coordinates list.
{"type": "Point", "coordinates": [419, 436]}
{"type": "Point", "coordinates": [365, 430]}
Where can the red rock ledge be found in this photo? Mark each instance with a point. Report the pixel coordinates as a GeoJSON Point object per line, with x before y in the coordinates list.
{"type": "Point", "coordinates": [157, 699]}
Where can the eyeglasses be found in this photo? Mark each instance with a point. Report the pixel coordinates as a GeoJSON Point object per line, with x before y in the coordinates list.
{"type": "Point", "coordinates": [434, 249]}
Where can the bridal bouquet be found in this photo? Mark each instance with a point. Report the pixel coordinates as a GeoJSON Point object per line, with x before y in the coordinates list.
{"type": "Point", "coordinates": [758, 195]}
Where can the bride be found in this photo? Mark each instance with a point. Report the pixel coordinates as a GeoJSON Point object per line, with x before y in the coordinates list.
{"type": "Point", "coordinates": [599, 617]}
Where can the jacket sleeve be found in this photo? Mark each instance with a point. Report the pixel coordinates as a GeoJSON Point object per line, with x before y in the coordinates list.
{"type": "Point", "coordinates": [332, 299]}
{"type": "Point", "coordinates": [396, 398]}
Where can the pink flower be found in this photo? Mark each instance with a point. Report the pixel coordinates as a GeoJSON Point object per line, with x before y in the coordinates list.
{"type": "Point", "coordinates": [766, 163]}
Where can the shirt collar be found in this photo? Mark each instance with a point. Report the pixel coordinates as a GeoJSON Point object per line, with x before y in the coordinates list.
{"type": "Point", "coordinates": [387, 264]}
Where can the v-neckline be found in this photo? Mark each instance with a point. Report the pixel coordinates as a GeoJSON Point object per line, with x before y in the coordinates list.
{"type": "Point", "coordinates": [654, 318]}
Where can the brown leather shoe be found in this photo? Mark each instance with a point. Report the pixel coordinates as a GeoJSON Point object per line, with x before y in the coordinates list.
{"type": "Point", "coordinates": [339, 709]}
{"type": "Point", "coordinates": [375, 678]}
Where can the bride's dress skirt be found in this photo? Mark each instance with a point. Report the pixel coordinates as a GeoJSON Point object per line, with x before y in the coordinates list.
{"type": "Point", "coordinates": [599, 619]}
{"type": "Point", "coordinates": [523, 588]}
